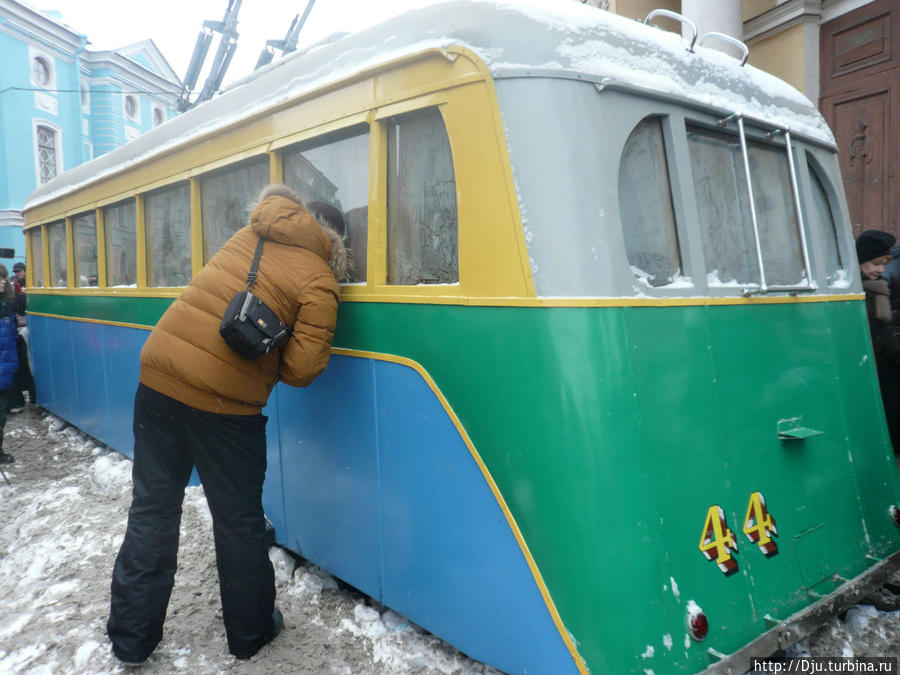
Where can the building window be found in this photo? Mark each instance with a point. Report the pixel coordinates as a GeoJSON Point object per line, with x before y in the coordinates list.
{"type": "Point", "coordinates": [422, 226]}
{"type": "Point", "coordinates": [40, 71]}
{"type": "Point", "coordinates": [158, 116]}
{"type": "Point", "coordinates": [46, 153]}
{"type": "Point", "coordinates": [131, 107]}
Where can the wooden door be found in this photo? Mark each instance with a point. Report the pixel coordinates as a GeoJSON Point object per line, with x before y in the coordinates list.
{"type": "Point", "coordinates": [860, 69]}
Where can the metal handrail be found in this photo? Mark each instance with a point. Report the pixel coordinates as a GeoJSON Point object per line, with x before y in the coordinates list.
{"type": "Point", "coordinates": [726, 38]}
{"type": "Point", "coordinates": [792, 170]}
{"type": "Point", "coordinates": [678, 17]}
{"type": "Point", "coordinates": [746, 156]}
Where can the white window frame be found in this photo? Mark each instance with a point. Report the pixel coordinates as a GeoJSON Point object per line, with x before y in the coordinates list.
{"type": "Point", "coordinates": [162, 113]}
{"type": "Point", "coordinates": [35, 54]}
{"type": "Point", "coordinates": [86, 100]}
{"type": "Point", "coordinates": [35, 123]}
{"type": "Point", "coordinates": [136, 118]}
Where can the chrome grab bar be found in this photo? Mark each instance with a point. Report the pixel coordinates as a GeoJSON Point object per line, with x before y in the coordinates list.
{"type": "Point", "coordinates": [678, 17]}
{"type": "Point", "coordinates": [726, 38]}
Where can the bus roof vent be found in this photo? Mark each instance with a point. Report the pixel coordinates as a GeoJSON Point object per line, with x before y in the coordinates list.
{"type": "Point", "coordinates": [678, 17]}
{"type": "Point", "coordinates": [730, 40]}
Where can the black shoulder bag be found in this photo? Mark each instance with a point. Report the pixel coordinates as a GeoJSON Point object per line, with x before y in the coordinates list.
{"type": "Point", "coordinates": [249, 327]}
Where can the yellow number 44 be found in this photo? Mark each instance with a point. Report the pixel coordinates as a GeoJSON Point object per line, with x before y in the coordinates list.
{"type": "Point", "coordinates": [717, 541]}
{"type": "Point", "coordinates": [759, 525]}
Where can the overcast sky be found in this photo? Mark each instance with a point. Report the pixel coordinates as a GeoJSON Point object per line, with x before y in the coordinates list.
{"type": "Point", "coordinates": [173, 25]}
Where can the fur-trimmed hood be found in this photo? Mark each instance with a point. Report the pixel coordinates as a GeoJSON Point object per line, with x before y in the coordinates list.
{"type": "Point", "coordinates": [281, 216]}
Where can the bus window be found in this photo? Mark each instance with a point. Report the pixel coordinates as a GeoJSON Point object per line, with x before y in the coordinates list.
{"type": "Point", "coordinates": [422, 225]}
{"type": "Point", "coordinates": [645, 202]}
{"type": "Point", "coordinates": [85, 230]}
{"type": "Point", "coordinates": [776, 215]}
{"type": "Point", "coordinates": [835, 271]}
{"type": "Point", "coordinates": [335, 169]}
{"type": "Point", "coordinates": [56, 239]}
{"type": "Point", "coordinates": [723, 207]}
{"type": "Point", "coordinates": [36, 257]}
{"type": "Point", "coordinates": [120, 225]}
{"type": "Point", "coordinates": [167, 219]}
{"type": "Point", "coordinates": [226, 198]}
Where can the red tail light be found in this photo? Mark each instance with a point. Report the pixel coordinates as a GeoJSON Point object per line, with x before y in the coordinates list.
{"type": "Point", "coordinates": [895, 515]}
{"type": "Point", "coordinates": [698, 625]}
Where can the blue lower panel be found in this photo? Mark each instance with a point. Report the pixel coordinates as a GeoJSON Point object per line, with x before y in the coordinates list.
{"type": "Point", "coordinates": [451, 562]}
{"type": "Point", "coordinates": [368, 477]}
{"type": "Point", "coordinates": [87, 374]}
{"type": "Point", "coordinates": [330, 473]}
{"type": "Point", "coordinates": [122, 349]}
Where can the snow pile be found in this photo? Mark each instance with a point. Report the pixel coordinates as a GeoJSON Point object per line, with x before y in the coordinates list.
{"type": "Point", "coordinates": [864, 631]}
{"type": "Point", "coordinates": [61, 523]}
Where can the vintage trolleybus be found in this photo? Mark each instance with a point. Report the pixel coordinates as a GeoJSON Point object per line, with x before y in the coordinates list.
{"type": "Point", "coordinates": [602, 395]}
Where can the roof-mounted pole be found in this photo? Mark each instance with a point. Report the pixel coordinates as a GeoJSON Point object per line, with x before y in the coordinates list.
{"type": "Point", "coordinates": [289, 43]}
{"type": "Point", "coordinates": [227, 46]}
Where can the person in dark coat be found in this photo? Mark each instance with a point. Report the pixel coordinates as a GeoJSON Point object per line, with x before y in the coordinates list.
{"type": "Point", "coordinates": [9, 359]}
{"type": "Point", "coordinates": [873, 251]}
{"type": "Point", "coordinates": [24, 379]}
{"type": "Point", "coordinates": [199, 404]}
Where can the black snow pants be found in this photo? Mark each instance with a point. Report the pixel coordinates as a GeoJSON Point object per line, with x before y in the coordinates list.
{"type": "Point", "coordinates": [229, 452]}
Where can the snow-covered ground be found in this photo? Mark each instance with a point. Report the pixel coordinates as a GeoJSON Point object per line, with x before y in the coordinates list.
{"type": "Point", "coordinates": [61, 523]}
{"type": "Point", "coordinates": [62, 520]}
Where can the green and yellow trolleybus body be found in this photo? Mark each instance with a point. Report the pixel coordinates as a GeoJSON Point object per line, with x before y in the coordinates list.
{"type": "Point", "coordinates": [602, 380]}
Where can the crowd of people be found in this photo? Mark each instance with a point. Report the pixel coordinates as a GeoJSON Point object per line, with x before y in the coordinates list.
{"type": "Point", "coordinates": [15, 358]}
{"type": "Point", "coordinates": [879, 266]}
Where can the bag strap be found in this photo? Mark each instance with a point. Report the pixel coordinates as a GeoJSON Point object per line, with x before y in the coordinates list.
{"type": "Point", "coordinates": [251, 275]}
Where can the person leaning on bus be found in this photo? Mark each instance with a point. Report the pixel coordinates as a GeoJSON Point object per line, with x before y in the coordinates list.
{"type": "Point", "coordinates": [873, 251]}
{"type": "Point", "coordinates": [199, 404]}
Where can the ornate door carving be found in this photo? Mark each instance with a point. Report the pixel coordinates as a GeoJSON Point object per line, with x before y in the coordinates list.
{"type": "Point", "coordinates": [860, 69]}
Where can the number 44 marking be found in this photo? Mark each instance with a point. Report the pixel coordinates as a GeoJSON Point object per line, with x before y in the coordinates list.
{"type": "Point", "coordinates": [718, 541]}
{"type": "Point", "coordinates": [759, 525]}
{"type": "Point", "coordinates": [717, 537]}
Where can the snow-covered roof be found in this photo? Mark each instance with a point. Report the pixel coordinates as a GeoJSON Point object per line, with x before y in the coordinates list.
{"type": "Point", "coordinates": [514, 38]}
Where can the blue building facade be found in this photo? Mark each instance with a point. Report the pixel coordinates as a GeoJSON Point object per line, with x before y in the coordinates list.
{"type": "Point", "coordinates": [62, 104]}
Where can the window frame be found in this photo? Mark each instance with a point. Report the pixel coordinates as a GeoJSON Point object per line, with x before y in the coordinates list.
{"type": "Point", "coordinates": [36, 125]}
{"type": "Point", "coordinates": [103, 274]}
{"type": "Point", "coordinates": [384, 117]}
{"type": "Point", "coordinates": [144, 241]}
{"type": "Point", "coordinates": [36, 56]}
{"type": "Point", "coordinates": [135, 115]}
{"type": "Point", "coordinates": [766, 134]}
{"type": "Point", "coordinates": [664, 122]}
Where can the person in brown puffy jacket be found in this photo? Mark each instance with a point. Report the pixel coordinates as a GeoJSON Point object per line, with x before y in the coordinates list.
{"type": "Point", "coordinates": [199, 404]}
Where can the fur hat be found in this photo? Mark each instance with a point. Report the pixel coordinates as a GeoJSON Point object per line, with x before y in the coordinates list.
{"type": "Point", "coordinates": [328, 215]}
{"type": "Point", "coordinates": [873, 244]}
